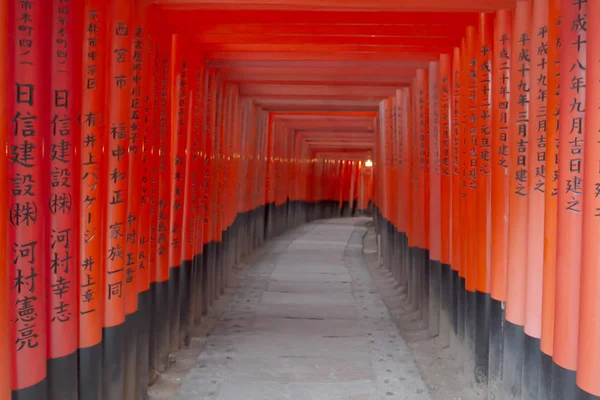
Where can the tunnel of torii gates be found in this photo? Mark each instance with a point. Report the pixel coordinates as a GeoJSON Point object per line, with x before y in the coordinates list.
{"type": "Point", "coordinates": [150, 146]}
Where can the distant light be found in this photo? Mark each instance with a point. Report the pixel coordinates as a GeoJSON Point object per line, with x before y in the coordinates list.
{"type": "Point", "coordinates": [368, 163]}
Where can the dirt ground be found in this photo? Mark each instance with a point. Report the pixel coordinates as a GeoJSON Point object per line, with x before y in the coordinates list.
{"type": "Point", "coordinates": [446, 371]}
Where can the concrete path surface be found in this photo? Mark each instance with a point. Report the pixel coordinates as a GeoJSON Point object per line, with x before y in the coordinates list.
{"type": "Point", "coordinates": [307, 324]}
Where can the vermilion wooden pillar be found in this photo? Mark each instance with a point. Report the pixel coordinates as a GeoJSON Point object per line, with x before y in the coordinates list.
{"type": "Point", "coordinates": [536, 171]}
{"type": "Point", "coordinates": [5, 346]}
{"type": "Point", "coordinates": [138, 226]}
{"type": "Point", "coordinates": [153, 189]}
{"type": "Point", "coordinates": [160, 326]}
{"type": "Point", "coordinates": [445, 87]}
{"type": "Point", "coordinates": [435, 266]}
{"type": "Point", "coordinates": [570, 196]}
{"type": "Point", "coordinates": [28, 104]}
{"type": "Point", "coordinates": [462, 198]}
{"type": "Point", "coordinates": [178, 138]}
{"type": "Point", "coordinates": [484, 49]}
{"type": "Point", "coordinates": [208, 134]}
{"type": "Point", "coordinates": [115, 175]}
{"type": "Point", "coordinates": [551, 196]}
{"type": "Point", "coordinates": [91, 262]}
{"type": "Point", "coordinates": [501, 74]}
{"type": "Point", "coordinates": [519, 138]}
{"type": "Point", "coordinates": [588, 362]}
{"type": "Point", "coordinates": [456, 181]}
{"type": "Point", "coordinates": [63, 204]}
{"type": "Point", "coordinates": [470, 187]}
{"type": "Point", "coordinates": [197, 185]}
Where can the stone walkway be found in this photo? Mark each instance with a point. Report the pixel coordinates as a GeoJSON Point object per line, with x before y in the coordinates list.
{"type": "Point", "coordinates": [307, 324]}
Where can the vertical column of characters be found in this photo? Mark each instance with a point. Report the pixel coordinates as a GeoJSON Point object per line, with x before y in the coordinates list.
{"type": "Point", "coordinates": [219, 94]}
{"type": "Point", "coordinates": [229, 137]}
{"type": "Point", "coordinates": [455, 231]}
{"type": "Point", "coordinates": [424, 170]}
{"type": "Point", "coordinates": [178, 140]}
{"type": "Point", "coordinates": [421, 154]}
{"type": "Point", "coordinates": [136, 147]}
{"type": "Point", "coordinates": [386, 146]}
{"type": "Point", "coordinates": [189, 203]}
{"type": "Point", "coordinates": [536, 168]}
{"type": "Point", "coordinates": [518, 191]}
{"type": "Point", "coordinates": [400, 162]}
{"type": "Point", "coordinates": [146, 60]}
{"type": "Point", "coordinates": [550, 193]}
{"type": "Point", "coordinates": [434, 162]}
{"type": "Point", "coordinates": [574, 25]}
{"type": "Point", "coordinates": [588, 361]}
{"type": "Point", "coordinates": [499, 167]}
{"type": "Point", "coordinates": [405, 178]}
{"type": "Point", "coordinates": [470, 202]}
{"type": "Point", "coordinates": [91, 261]}
{"type": "Point", "coordinates": [455, 161]}
{"type": "Point", "coordinates": [208, 151]}
{"type": "Point", "coordinates": [236, 157]}
{"type": "Point", "coordinates": [413, 171]}
{"type": "Point", "coordinates": [5, 345]}
{"type": "Point", "coordinates": [397, 99]}
{"type": "Point", "coordinates": [115, 176]}
{"type": "Point", "coordinates": [28, 105]}
{"type": "Point", "coordinates": [186, 295]}
{"type": "Point", "coordinates": [471, 159]}
{"type": "Point", "coordinates": [445, 111]}
{"type": "Point", "coordinates": [376, 165]}
{"type": "Point", "coordinates": [225, 139]}
{"type": "Point", "coordinates": [484, 48]}
{"type": "Point", "coordinates": [518, 164]}
{"type": "Point", "coordinates": [435, 268]}
{"type": "Point", "coordinates": [417, 199]}
{"type": "Point", "coordinates": [198, 161]}
{"type": "Point", "coordinates": [396, 201]}
{"type": "Point", "coordinates": [195, 166]}
{"type": "Point", "coordinates": [133, 327]}
{"type": "Point", "coordinates": [424, 117]}
{"type": "Point", "coordinates": [445, 90]}
{"type": "Point", "coordinates": [220, 110]}
{"type": "Point", "coordinates": [161, 328]}
{"type": "Point", "coordinates": [500, 88]}
{"type": "Point", "coordinates": [464, 70]}
{"type": "Point", "coordinates": [153, 187]}
{"type": "Point", "coordinates": [63, 204]}
{"type": "Point", "coordinates": [225, 181]}
{"type": "Point", "coordinates": [143, 72]}
{"type": "Point", "coordinates": [209, 163]}
{"type": "Point", "coordinates": [219, 178]}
